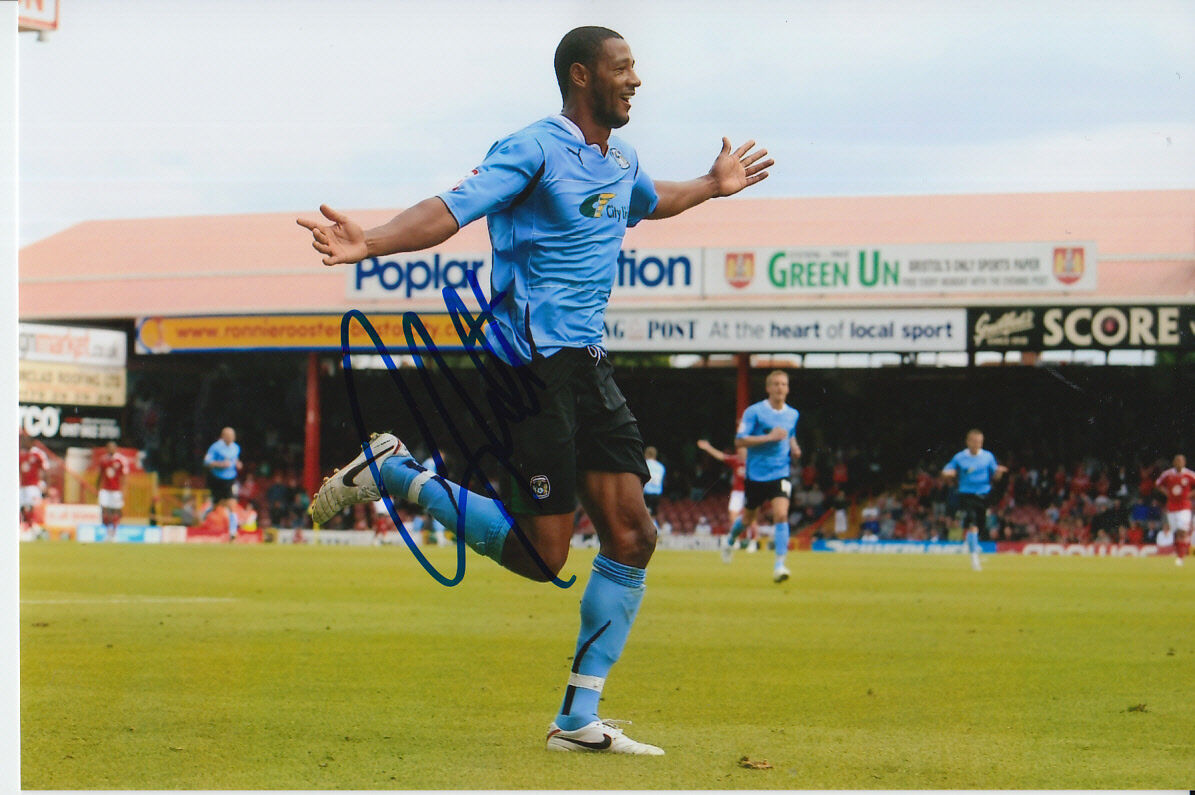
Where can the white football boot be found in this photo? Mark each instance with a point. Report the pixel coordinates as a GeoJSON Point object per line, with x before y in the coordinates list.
{"type": "Point", "coordinates": [601, 736]}
{"type": "Point", "coordinates": [727, 550]}
{"type": "Point", "coordinates": [354, 482]}
{"type": "Point", "coordinates": [781, 573]}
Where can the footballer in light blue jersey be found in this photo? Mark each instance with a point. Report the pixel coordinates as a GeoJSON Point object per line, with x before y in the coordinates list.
{"type": "Point", "coordinates": [558, 197]}
{"type": "Point", "coordinates": [769, 460]}
{"type": "Point", "coordinates": [557, 211]}
{"type": "Point", "coordinates": [768, 431]}
{"type": "Point", "coordinates": [973, 468]}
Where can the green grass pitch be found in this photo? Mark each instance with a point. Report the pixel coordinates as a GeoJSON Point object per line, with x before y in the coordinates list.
{"type": "Point", "coordinates": [270, 667]}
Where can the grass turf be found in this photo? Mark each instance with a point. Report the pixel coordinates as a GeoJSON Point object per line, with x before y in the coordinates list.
{"type": "Point", "coordinates": [271, 667]}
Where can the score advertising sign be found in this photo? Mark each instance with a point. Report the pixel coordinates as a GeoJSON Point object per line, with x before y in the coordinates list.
{"type": "Point", "coordinates": [1041, 328]}
{"type": "Point", "coordinates": [787, 330]}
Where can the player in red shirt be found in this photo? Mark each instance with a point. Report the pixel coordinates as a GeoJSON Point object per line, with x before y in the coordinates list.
{"type": "Point", "coordinates": [738, 466]}
{"type": "Point", "coordinates": [1176, 484]}
{"type": "Point", "coordinates": [33, 464]}
{"type": "Point", "coordinates": [110, 481]}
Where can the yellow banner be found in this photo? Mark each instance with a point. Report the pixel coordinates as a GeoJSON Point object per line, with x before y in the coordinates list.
{"type": "Point", "coordinates": [71, 384]}
{"type": "Point", "coordinates": [284, 332]}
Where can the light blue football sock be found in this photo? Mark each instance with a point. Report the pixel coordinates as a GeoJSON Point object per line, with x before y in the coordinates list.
{"type": "Point", "coordinates": [973, 541]}
{"type": "Point", "coordinates": [780, 536]}
{"type": "Point", "coordinates": [484, 524]}
{"type": "Point", "coordinates": [608, 610]}
{"type": "Point", "coordinates": [736, 530]}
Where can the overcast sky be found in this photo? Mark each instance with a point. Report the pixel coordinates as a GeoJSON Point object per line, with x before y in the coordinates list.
{"type": "Point", "coordinates": [187, 107]}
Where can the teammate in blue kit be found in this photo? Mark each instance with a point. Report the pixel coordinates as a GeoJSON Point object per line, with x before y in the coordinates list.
{"type": "Point", "coordinates": [558, 197]}
{"type": "Point", "coordinates": [768, 431]}
{"type": "Point", "coordinates": [653, 489]}
{"type": "Point", "coordinates": [974, 469]}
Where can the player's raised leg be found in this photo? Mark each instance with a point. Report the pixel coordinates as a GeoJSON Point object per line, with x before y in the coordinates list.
{"type": "Point", "coordinates": [481, 521]}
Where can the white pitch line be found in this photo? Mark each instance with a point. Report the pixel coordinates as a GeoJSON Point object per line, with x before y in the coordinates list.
{"type": "Point", "coordinates": [129, 600]}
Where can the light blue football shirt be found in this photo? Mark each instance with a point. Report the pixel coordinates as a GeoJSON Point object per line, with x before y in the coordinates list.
{"type": "Point", "coordinates": [557, 211]}
{"type": "Point", "coordinates": [655, 483]}
{"type": "Point", "coordinates": [974, 471]}
{"type": "Point", "coordinates": [771, 460]}
{"type": "Point", "coordinates": [226, 456]}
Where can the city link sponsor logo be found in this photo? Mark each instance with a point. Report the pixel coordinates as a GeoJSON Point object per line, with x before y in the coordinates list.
{"type": "Point", "coordinates": [1002, 330]}
{"type": "Point", "coordinates": [598, 204]}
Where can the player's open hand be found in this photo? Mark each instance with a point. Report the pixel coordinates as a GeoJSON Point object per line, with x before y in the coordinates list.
{"type": "Point", "coordinates": [733, 171]}
{"type": "Point", "coordinates": [341, 241]}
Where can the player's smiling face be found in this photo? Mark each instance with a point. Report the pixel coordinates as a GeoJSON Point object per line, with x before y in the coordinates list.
{"type": "Point", "coordinates": [613, 84]}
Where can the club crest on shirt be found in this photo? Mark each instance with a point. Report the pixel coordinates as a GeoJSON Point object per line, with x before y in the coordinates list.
{"type": "Point", "coordinates": [541, 487]}
{"type": "Point", "coordinates": [618, 158]}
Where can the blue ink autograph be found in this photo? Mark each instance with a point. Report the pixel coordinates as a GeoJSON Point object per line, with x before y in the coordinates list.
{"type": "Point", "coordinates": [508, 401]}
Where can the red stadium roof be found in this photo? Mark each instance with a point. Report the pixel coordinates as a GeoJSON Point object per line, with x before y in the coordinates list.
{"type": "Point", "coordinates": [265, 263]}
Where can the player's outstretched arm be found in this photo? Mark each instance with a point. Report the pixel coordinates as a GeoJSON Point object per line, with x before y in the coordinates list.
{"type": "Point", "coordinates": [730, 173]}
{"type": "Point", "coordinates": [427, 224]}
{"type": "Point", "coordinates": [702, 444]}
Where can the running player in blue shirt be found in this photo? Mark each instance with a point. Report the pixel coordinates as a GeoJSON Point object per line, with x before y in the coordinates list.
{"type": "Point", "coordinates": [558, 197]}
{"type": "Point", "coordinates": [768, 431]}
{"type": "Point", "coordinates": [974, 469]}
{"type": "Point", "coordinates": [653, 489]}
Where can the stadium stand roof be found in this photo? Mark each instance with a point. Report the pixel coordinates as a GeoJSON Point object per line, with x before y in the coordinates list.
{"type": "Point", "coordinates": [265, 263]}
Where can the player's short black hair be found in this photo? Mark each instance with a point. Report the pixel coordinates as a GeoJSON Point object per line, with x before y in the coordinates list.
{"type": "Point", "coordinates": [579, 45]}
